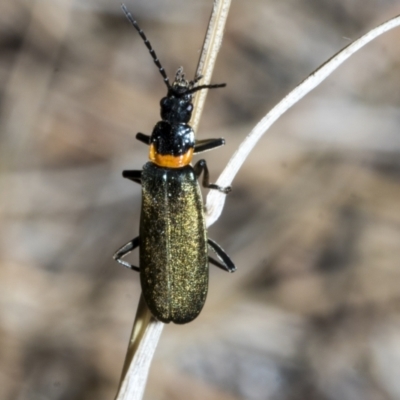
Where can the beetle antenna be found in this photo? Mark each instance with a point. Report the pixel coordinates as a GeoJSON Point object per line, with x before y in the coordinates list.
{"type": "Point", "coordinates": [195, 80]}
{"type": "Point", "coordinates": [148, 45]}
{"type": "Point", "coordinates": [215, 86]}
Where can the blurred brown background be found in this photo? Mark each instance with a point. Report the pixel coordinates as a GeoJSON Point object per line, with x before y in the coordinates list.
{"type": "Point", "coordinates": [313, 222]}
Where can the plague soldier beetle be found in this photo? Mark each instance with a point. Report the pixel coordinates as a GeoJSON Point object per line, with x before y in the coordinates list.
{"type": "Point", "coordinates": [173, 243]}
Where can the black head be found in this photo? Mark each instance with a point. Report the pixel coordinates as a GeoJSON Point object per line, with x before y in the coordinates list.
{"type": "Point", "coordinates": [177, 106]}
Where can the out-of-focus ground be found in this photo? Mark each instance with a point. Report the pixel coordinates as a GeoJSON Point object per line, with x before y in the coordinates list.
{"type": "Point", "coordinates": [313, 222]}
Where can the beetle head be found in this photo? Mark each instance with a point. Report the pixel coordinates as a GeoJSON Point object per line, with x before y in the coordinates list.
{"type": "Point", "coordinates": [177, 106]}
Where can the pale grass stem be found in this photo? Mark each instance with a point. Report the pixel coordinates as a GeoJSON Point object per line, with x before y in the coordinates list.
{"type": "Point", "coordinates": [215, 200]}
{"type": "Point", "coordinates": [146, 329]}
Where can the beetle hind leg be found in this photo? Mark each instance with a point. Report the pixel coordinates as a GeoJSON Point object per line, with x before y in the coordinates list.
{"type": "Point", "coordinates": [201, 167]}
{"type": "Point", "coordinates": [126, 249]}
{"type": "Point", "coordinates": [218, 264]}
{"type": "Point", "coordinates": [224, 262]}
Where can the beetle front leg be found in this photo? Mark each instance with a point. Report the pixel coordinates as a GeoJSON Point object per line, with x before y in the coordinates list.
{"type": "Point", "coordinates": [207, 144]}
{"type": "Point", "coordinates": [143, 138]}
{"type": "Point", "coordinates": [126, 249]}
{"type": "Point", "coordinates": [201, 167]}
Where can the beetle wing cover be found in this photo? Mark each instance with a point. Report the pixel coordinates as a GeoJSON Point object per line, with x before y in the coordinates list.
{"type": "Point", "coordinates": [173, 244]}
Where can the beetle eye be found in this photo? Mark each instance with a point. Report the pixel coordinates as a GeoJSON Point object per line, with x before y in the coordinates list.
{"type": "Point", "coordinates": [189, 108]}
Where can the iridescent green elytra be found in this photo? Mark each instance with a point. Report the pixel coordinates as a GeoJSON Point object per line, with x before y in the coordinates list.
{"type": "Point", "coordinates": [173, 243]}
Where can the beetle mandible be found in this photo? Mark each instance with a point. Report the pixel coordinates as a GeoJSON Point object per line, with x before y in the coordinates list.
{"type": "Point", "coordinates": [172, 241]}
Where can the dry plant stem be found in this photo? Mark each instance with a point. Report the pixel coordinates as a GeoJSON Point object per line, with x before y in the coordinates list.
{"type": "Point", "coordinates": [215, 200]}
{"type": "Point", "coordinates": [208, 57]}
{"type": "Point", "coordinates": [146, 329]}
{"type": "Point", "coordinates": [145, 334]}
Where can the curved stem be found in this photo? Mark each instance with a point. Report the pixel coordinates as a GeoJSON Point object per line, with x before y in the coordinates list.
{"type": "Point", "coordinates": [208, 56]}
{"type": "Point", "coordinates": [215, 200]}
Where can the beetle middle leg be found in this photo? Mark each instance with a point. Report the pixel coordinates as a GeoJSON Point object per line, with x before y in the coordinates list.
{"type": "Point", "coordinates": [126, 249]}
{"type": "Point", "coordinates": [226, 263]}
{"type": "Point", "coordinates": [135, 176]}
{"type": "Point", "coordinates": [201, 167]}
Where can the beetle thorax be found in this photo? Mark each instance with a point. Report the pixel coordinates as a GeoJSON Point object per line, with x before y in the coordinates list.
{"type": "Point", "coordinates": [172, 140]}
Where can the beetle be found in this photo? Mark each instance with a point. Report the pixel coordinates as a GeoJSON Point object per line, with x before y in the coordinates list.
{"type": "Point", "coordinates": [173, 243]}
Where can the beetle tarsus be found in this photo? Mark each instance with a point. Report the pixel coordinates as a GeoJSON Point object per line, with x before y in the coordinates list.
{"type": "Point", "coordinates": [126, 249]}
{"type": "Point", "coordinates": [201, 167]}
{"type": "Point", "coordinates": [226, 263]}
{"type": "Point", "coordinates": [218, 264]}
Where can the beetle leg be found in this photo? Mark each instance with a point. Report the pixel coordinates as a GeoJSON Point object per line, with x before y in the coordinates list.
{"type": "Point", "coordinates": [207, 144]}
{"type": "Point", "coordinates": [201, 166]}
{"type": "Point", "coordinates": [135, 176]}
{"type": "Point", "coordinates": [226, 263]}
{"type": "Point", "coordinates": [126, 249]}
{"type": "Point", "coordinates": [143, 138]}
{"type": "Point", "coordinates": [217, 263]}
